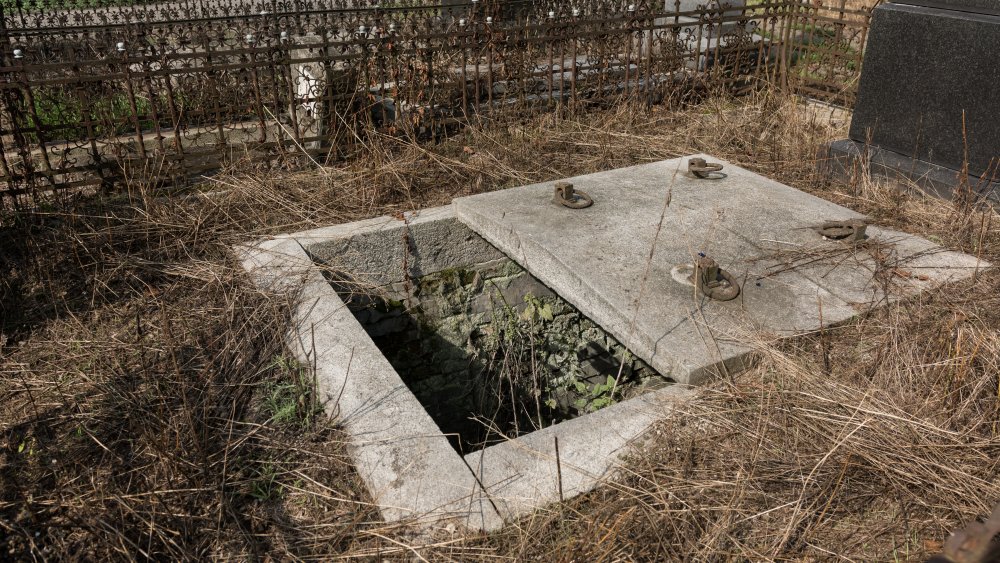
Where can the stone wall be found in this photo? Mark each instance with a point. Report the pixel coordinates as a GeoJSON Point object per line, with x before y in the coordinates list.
{"type": "Point", "coordinates": [491, 342]}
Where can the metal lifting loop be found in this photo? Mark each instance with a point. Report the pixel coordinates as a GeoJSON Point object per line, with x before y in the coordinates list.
{"type": "Point", "coordinates": [703, 169]}
{"type": "Point", "coordinates": [852, 230]}
{"type": "Point", "coordinates": [714, 282]}
{"type": "Point", "coordinates": [566, 196]}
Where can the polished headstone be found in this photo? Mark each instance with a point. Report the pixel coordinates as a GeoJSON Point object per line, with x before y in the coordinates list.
{"type": "Point", "coordinates": [929, 86]}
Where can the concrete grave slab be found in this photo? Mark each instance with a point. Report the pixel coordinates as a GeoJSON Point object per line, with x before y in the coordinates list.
{"type": "Point", "coordinates": [598, 260]}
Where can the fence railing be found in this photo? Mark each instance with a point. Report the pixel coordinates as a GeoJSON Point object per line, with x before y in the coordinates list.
{"type": "Point", "coordinates": [165, 91]}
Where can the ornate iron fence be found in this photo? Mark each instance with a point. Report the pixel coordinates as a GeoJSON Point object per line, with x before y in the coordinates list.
{"type": "Point", "coordinates": [825, 46]}
{"type": "Point", "coordinates": [90, 95]}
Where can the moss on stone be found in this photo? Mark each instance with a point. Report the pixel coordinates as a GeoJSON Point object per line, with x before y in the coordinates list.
{"type": "Point", "coordinates": [428, 285]}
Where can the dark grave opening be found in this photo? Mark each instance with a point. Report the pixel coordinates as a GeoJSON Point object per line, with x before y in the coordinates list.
{"type": "Point", "coordinates": [493, 354]}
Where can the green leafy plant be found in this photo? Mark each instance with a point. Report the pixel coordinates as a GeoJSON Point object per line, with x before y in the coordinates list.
{"type": "Point", "coordinates": [597, 397]}
{"type": "Point", "coordinates": [27, 446]}
{"type": "Point", "coordinates": [536, 310]}
{"type": "Point", "coordinates": [266, 486]}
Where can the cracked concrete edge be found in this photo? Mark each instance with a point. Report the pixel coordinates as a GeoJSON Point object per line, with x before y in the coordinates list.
{"type": "Point", "coordinates": [522, 474]}
{"type": "Point", "coordinates": [407, 464]}
{"type": "Point", "coordinates": [379, 252]}
{"type": "Point", "coordinates": [375, 224]}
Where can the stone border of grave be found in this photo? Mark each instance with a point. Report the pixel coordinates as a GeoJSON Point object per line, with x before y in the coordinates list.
{"type": "Point", "coordinates": [409, 467]}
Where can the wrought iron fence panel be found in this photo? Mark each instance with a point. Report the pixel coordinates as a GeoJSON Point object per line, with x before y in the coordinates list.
{"type": "Point", "coordinates": [826, 49]}
{"type": "Point", "coordinates": [91, 95]}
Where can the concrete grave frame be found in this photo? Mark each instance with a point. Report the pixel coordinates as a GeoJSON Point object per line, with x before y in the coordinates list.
{"type": "Point", "coordinates": [412, 470]}
{"type": "Point", "coordinates": [408, 465]}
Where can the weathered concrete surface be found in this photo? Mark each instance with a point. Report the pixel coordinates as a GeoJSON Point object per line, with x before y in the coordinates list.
{"type": "Point", "coordinates": [408, 465]}
{"type": "Point", "coordinates": [374, 252]}
{"type": "Point", "coordinates": [521, 475]}
{"type": "Point", "coordinates": [598, 259]}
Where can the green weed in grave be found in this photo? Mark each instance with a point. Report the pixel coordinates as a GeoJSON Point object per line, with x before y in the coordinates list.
{"type": "Point", "coordinates": [536, 310]}
{"type": "Point", "coordinates": [597, 397]}
{"type": "Point", "coordinates": [513, 333]}
{"type": "Point", "coordinates": [388, 305]}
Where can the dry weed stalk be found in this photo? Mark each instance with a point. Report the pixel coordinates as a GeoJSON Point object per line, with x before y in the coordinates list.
{"type": "Point", "coordinates": [138, 358]}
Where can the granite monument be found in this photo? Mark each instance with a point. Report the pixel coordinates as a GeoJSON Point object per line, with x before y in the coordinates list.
{"type": "Point", "coordinates": [928, 99]}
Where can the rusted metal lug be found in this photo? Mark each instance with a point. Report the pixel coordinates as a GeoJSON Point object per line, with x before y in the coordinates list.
{"type": "Point", "coordinates": [566, 196]}
{"type": "Point", "coordinates": [973, 544]}
{"type": "Point", "coordinates": [852, 230]}
{"type": "Point", "coordinates": [714, 282]}
{"type": "Point", "coordinates": [701, 168]}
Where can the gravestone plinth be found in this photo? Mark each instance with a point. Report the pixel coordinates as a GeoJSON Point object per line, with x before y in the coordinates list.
{"type": "Point", "coordinates": [928, 96]}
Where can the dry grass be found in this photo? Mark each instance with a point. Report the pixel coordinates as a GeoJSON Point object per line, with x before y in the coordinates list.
{"type": "Point", "coordinates": [868, 443]}
{"type": "Point", "coordinates": [858, 4]}
{"type": "Point", "coordinates": [146, 409]}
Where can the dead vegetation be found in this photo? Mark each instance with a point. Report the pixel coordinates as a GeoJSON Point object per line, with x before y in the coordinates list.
{"type": "Point", "coordinates": [148, 409]}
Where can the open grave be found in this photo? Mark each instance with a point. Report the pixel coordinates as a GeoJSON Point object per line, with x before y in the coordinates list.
{"type": "Point", "coordinates": [500, 353]}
